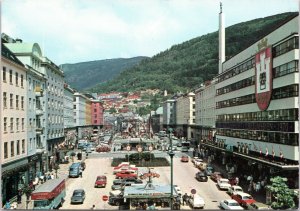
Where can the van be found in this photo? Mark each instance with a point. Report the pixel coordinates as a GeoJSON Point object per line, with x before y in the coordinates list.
{"type": "Point", "coordinates": [74, 170]}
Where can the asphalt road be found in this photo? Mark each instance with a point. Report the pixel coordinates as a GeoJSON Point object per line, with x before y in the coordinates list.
{"type": "Point", "coordinates": [100, 164]}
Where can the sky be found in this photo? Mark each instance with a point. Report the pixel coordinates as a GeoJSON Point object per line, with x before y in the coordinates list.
{"type": "Point", "coordinates": [72, 31]}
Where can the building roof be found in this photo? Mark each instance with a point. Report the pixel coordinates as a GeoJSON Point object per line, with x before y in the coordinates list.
{"type": "Point", "coordinates": [5, 52]}
{"type": "Point", "coordinates": [25, 48]}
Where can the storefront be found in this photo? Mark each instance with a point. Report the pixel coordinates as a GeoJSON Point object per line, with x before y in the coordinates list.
{"type": "Point", "coordinates": [14, 177]}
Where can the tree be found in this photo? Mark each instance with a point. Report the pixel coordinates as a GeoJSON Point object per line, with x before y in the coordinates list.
{"type": "Point", "coordinates": [284, 197]}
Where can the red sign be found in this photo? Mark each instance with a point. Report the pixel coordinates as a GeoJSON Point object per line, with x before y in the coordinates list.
{"type": "Point", "coordinates": [104, 197]}
{"type": "Point", "coordinates": [193, 191]}
{"type": "Point", "coordinates": [263, 78]}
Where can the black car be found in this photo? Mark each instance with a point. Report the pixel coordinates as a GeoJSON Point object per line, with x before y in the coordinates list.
{"type": "Point", "coordinates": [116, 200]}
{"type": "Point", "coordinates": [201, 176]}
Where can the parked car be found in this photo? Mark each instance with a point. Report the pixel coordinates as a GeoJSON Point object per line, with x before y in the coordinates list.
{"type": "Point", "coordinates": [243, 198]}
{"type": "Point", "coordinates": [116, 200]}
{"type": "Point", "coordinates": [230, 204]}
{"type": "Point", "coordinates": [197, 162]}
{"type": "Point", "coordinates": [201, 176]}
{"type": "Point", "coordinates": [196, 201]}
{"type": "Point", "coordinates": [78, 196]}
{"type": "Point", "coordinates": [129, 179]}
{"type": "Point", "coordinates": [178, 190]}
{"type": "Point", "coordinates": [121, 186]}
{"type": "Point", "coordinates": [257, 206]}
{"type": "Point", "coordinates": [234, 190]}
{"type": "Point", "coordinates": [101, 181]}
{"type": "Point", "coordinates": [126, 168]}
{"type": "Point", "coordinates": [215, 176]}
{"type": "Point", "coordinates": [125, 174]}
{"type": "Point", "coordinates": [223, 184]}
{"type": "Point", "coordinates": [184, 158]}
{"type": "Point", "coordinates": [209, 170]}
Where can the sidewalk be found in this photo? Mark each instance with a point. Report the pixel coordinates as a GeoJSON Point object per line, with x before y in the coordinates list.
{"type": "Point", "coordinates": [63, 171]}
{"type": "Point", "coordinates": [258, 196]}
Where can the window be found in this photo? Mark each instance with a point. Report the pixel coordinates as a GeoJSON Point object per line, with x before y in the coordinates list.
{"type": "Point", "coordinates": [4, 74]}
{"type": "Point", "coordinates": [23, 124]}
{"type": "Point", "coordinates": [17, 124]}
{"type": "Point", "coordinates": [29, 103]}
{"type": "Point", "coordinates": [11, 100]}
{"type": "Point", "coordinates": [5, 124]}
{"type": "Point", "coordinates": [23, 146]}
{"type": "Point", "coordinates": [22, 103]}
{"type": "Point", "coordinates": [18, 147]}
{"type": "Point", "coordinates": [11, 124]}
{"type": "Point", "coordinates": [17, 79]}
{"type": "Point", "coordinates": [29, 83]}
{"type": "Point", "coordinates": [22, 82]}
{"type": "Point", "coordinates": [5, 150]}
{"type": "Point", "coordinates": [12, 149]}
{"type": "Point", "coordinates": [10, 76]}
{"type": "Point", "coordinates": [17, 101]}
{"type": "Point", "coordinates": [4, 100]}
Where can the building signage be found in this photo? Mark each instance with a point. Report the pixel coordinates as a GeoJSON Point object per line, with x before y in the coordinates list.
{"type": "Point", "coordinates": [263, 78]}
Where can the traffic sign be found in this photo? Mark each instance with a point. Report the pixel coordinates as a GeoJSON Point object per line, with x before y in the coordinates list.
{"type": "Point", "coordinates": [140, 149]}
{"type": "Point", "coordinates": [104, 197]}
{"type": "Point", "coordinates": [150, 148]}
{"type": "Point", "coordinates": [128, 148]}
{"type": "Point", "coordinates": [193, 191]}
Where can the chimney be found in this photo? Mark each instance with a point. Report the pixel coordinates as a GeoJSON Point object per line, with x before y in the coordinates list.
{"type": "Point", "coordinates": [18, 40]}
{"type": "Point", "coordinates": [221, 40]}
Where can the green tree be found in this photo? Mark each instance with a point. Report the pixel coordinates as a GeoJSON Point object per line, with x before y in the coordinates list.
{"type": "Point", "coordinates": [284, 197]}
{"type": "Point", "coordinates": [112, 110]}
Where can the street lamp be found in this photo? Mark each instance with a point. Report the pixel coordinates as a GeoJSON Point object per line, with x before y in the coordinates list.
{"type": "Point", "coordinates": [171, 154]}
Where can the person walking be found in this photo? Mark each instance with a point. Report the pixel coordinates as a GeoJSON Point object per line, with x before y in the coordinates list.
{"type": "Point", "coordinates": [93, 207]}
{"type": "Point", "coordinates": [80, 172]}
{"type": "Point", "coordinates": [184, 198]}
{"type": "Point", "coordinates": [19, 196]}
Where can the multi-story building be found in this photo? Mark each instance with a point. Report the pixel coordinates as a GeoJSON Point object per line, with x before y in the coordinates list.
{"type": "Point", "coordinates": [97, 113]}
{"type": "Point", "coordinates": [185, 115]}
{"type": "Point", "coordinates": [30, 54]}
{"type": "Point", "coordinates": [169, 113]}
{"type": "Point", "coordinates": [13, 135]}
{"type": "Point", "coordinates": [69, 123]}
{"type": "Point", "coordinates": [257, 106]}
{"type": "Point", "coordinates": [55, 108]}
{"type": "Point", "coordinates": [205, 111]}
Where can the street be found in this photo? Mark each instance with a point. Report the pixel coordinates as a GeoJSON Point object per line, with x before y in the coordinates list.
{"type": "Point", "coordinates": [100, 164]}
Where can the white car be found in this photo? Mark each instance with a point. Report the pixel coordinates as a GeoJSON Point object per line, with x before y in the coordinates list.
{"type": "Point", "coordinates": [196, 201]}
{"type": "Point", "coordinates": [178, 190]}
{"type": "Point", "coordinates": [234, 189]}
{"type": "Point", "coordinates": [230, 204]}
{"type": "Point", "coordinates": [223, 184]}
{"type": "Point", "coordinates": [197, 162]}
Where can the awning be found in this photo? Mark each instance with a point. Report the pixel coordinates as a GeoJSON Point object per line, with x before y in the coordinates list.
{"type": "Point", "coordinates": [257, 159]}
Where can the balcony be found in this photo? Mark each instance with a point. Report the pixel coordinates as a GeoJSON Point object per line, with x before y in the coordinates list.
{"type": "Point", "coordinates": [39, 112]}
{"type": "Point", "coordinates": [39, 130]}
{"type": "Point", "coordinates": [38, 91]}
{"type": "Point", "coordinates": [40, 149]}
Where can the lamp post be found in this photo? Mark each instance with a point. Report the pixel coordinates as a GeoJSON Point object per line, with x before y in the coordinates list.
{"type": "Point", "coordinates": [171, 154]}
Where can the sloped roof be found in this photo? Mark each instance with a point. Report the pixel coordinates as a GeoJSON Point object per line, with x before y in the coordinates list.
{"type": "Point", "coordinates": [5, 52]}
{"type": "Point", "coordinates": [19, 48]}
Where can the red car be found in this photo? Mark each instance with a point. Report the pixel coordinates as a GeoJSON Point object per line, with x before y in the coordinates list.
{"type": "Point", "coordinates": [243, 198]}
{"type": "Point", "coordinates": [215, 176]}
{"type": "Point", "coordinates": [184, 158]}
{"type": "Point", "coordinates": [126, 174]}
{"type": "Point", "coordinates": [100, 181]}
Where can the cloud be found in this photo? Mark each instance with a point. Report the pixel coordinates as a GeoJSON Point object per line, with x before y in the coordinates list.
{"type": "Point", "coordinates": [84, 30]}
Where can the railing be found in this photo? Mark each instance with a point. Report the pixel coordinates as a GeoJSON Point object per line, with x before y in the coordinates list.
{"type": "Point", "coordinates": [39, 130]}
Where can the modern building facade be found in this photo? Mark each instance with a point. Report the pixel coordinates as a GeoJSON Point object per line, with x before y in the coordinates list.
{"type": "Point", "coordinates": [13, 135]}
{"type": "Point", "coordinates": [257, 106]}
{"type": "Point", "coordinates": [68, 107]}
{"type": "Point", "coordinates": [169, 113]}
{"type": "Point", "coordinates": [205, 107]}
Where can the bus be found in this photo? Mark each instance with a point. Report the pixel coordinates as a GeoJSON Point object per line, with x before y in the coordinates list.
{"type": "Point", "coordinates": [185, 146]}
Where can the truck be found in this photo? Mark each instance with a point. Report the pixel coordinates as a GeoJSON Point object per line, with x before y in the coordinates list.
{"type": "Point", "coordinates": [50, 195]}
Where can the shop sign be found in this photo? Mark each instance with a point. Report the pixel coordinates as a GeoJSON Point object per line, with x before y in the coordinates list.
{"type": "Point", "coordinates": [263, 78]}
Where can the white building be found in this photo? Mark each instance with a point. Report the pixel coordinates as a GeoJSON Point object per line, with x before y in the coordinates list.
{"type": "Point", "coordinates": [185, 115]}
{"type": "Point", "coordinates": [13, 135]}
{"type": "Point", "coordinates": [30, 54]}
{"type": "Point", "coordinates": [169, 113]}
{"type": "Point", "coordinates": [257, 106]}
{"type": "Point", "coordinates": [68, 107]}
{"type": "Point", "coordinates": [205, 111]}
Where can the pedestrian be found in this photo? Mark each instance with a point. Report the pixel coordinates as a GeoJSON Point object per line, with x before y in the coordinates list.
{"type": "Point", "coordinates": [52, 176]}
{"type": "Point", "coordinates": [257, 187]}
{"type": "Point", "coordinates": [7, 205]}
{"type": "Point", "coordinates": [93, 207]}
{"type": "Point", "coordinates": [19, 196]}
{"type": "Point", "coordinates": [184, 198]}
{"type": "Point", "coordinates": [237, 181]}
{"type": "Point", "coordinates": [253, 186]}
{"type": "Point", "coordinates": [80, 172]}
{"type": "Point", "coordinates": [250, 188]}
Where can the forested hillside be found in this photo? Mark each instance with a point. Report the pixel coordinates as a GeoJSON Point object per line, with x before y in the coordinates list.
{"type": "Point", "coordinates": [87, 74]}
{"type": "Point", "coordinates": [186, 65]}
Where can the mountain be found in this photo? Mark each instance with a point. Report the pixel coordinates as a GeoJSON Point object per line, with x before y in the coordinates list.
{"type": "Point", "coordinates": [186, 65]}
{"type": "Point", "coordinates": [87, 74]}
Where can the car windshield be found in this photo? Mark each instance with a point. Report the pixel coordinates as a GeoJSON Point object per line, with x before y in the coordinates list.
{"type": "Point", "coordinates": [77, 194]}
{"type": "Point", "coordinates": [233, 204]}
{"type": "Point", "coordinates": [247, 197]}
